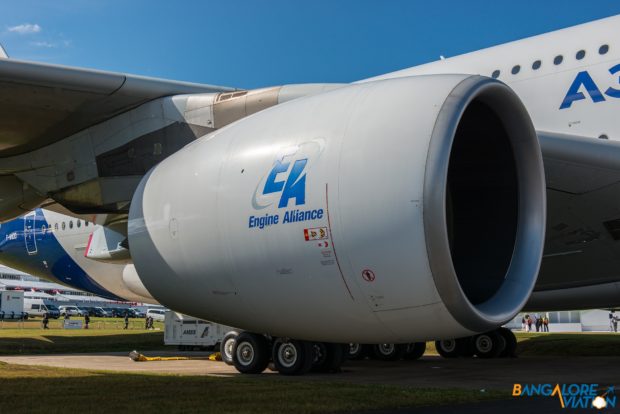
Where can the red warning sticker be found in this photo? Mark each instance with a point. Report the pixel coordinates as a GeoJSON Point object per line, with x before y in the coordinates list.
{"type": "Point", "coordinates": [368, 275]}
{"type": "Point", "coordinates": [317, 233]}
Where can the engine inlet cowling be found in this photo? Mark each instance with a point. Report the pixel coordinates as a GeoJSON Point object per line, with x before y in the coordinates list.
{"type": "Point", "coordinates": [486, 189]}
{"type": "Point", "coordinates": [391, 211]}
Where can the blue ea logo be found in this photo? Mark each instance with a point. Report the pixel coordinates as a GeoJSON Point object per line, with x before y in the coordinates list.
{"type": "Point", "coordinates": [286, 180]}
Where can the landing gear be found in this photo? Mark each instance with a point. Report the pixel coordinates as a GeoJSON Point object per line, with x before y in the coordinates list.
{"type": "Point", "coordinates": [251, 353]}
{"type": "Point", "coordinates": [226, 347]}
{"type": "Point", "coordinates": [489, 344]}
{"type": "Point", "coordinates": [414, 350]}
{"type": "Point", "coordinates": [389, 352]}
{"type": "Point", "coordinates": [328, 357]}
{"type": "Point", "coordinates": [386, 352]}
{"type": "Point", "coordinates": [510, 350]}
{"type": "Point", "coordinates": [292, 357]}
{"type": "Point", "coordinates": [357, 351]}
{"type": "Point", "coordinates": [447, 348]}
{"type": "Point", "coordinates": [493, 344]}
{"type": "Point", "coordinates": [453, 348]}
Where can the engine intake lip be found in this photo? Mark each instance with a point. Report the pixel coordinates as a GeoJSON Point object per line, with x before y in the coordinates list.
{"type": "Point", "coordinates": [524, 263]}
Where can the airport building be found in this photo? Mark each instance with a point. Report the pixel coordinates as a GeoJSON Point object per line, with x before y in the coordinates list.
{"type": "Point", "coordinates": [36, 288]}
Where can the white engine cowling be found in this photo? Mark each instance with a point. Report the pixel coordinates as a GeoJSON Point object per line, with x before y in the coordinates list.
{"type": "Point", "coordinates": [390, 211]}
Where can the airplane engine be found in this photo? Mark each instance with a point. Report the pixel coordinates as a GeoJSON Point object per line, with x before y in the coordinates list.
{"type": "Point", "coordinates": [383, 212]}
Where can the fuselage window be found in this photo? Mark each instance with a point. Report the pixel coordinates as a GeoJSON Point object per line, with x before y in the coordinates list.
{"type": "Point", "coordinates": [495, 74]}
{"type": "Point", "coordinates": [56, 226]}
{"type": "Point", "coordinates": [558, 59]}
{"type": "Point", "coordinates": [79, 223]}
{"type": "Point", "coordinates": [536, 64]}
{"type": "Point", "coordinates": [43, 229]}
{"type": "Point", "coordinates": [603, 49]}
{"type": "Point", "coordinates": [63, 225]}
{"type": "Point", "coordinates": [70, 224]}
{"type": "Point", "coordinates": [580, 55]}
{"type": "Point", "coordinates": [515, 69]}
{"type": "Point", "coordinates": [86, 223]}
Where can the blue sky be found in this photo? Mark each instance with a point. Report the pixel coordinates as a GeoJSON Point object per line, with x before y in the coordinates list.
{"type": "Point", "coordinates": [253, 43]}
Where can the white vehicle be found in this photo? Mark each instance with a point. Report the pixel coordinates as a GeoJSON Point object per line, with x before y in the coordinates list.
{"type": "Point", "coordinates": [39, 307]}
{"type": "Point", "coordinates": [70, 310]}
{"type": "Point", "coordinates": [412, 206]}
{"type": "Point", "coordinates": [192, 333]}
{"type": "Point", "coordinates": [156, 314]}
{"type": "Point", "coordinates": [12, 304]}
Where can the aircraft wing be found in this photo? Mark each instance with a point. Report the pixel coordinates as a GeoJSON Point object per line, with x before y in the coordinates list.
{"type": "Point", "coordinates": [42, 103]}
{"type": "Point", "coordinates": [582, 247]}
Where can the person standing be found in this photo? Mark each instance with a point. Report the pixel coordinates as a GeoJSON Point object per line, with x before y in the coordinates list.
{"type": "Point", "coordinates": [523, 324]}
{"type": "Point", "coordinates": [126, 320]}
{"type": "Point", "coordinates": [529, 323]}
{"type": "Point", "coordinates": [612, 317]}
{"type": "Point", "coordinates": [86, 320]}
{"type": "Point", "coordinates": [45, 321]}
{"type": "Point", "coordinates": [545, 324]}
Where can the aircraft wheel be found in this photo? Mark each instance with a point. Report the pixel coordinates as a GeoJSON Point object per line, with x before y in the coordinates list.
{"type": "Point", "coordinates": [388, 352]}
{"type": "Point", "coordinates": [357, 351]}
{"type": "Point", "coordinates": [226, 347]}
{"type": "Point", "coordinates": [414, 350]}
{"type": "Point", "coordinates": [447, 348]}
{"type": "Point", "coordinates": [292, 357]}
{"type": "Point", "coordinates": [489, 344]}
{"type": "Point", "coordinates": [251, 353]}
{"type": "Point", "coordinates": [510, 350]}
{"type": "Point", "coordinates": [328, 357]}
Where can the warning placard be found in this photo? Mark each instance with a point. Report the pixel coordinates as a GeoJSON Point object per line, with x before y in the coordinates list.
{"type": "Point", "coordinates": [317, 233]}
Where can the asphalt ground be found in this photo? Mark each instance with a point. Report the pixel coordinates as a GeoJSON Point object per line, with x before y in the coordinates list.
{"type": "Point", "coordinates": [428, 372]}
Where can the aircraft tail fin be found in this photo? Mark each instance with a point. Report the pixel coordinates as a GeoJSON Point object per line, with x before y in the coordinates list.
{"type": "Point", "coordinates": [3, 52]}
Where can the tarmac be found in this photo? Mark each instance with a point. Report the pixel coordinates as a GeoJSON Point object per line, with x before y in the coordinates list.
{"type": "Point", "coordinates": [428, 372]}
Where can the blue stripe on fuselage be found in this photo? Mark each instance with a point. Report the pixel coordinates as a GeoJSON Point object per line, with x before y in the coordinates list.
{"type": "Point", "coordinates": [48, 260]}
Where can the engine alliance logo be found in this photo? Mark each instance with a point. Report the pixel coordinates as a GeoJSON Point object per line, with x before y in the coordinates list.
{"type": "Point", "coordinates": [570, 395]}
{"type": "Point", "coordinates": [284, 184]}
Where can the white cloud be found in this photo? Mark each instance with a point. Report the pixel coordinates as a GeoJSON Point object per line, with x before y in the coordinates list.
{"type": "Point", "coordinates": [43, 44]}
{"type": "Point", "coordinates": [25, 28]}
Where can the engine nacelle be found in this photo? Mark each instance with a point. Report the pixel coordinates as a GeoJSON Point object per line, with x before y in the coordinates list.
{"type": "Point", "coordinates": [390, 211]}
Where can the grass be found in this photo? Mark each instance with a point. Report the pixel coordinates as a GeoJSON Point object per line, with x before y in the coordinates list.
{"type": "Point", "coordinates": [29, 389]}
{"type": "Point", "coordinates": [568, 344]}
{"type": "Point", "coordinates": [95, 323]}
{"type": "Point", "coordinates": [58, 341]}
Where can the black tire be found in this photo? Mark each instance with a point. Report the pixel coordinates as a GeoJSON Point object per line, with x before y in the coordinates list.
{"type": "Point", "coordinates": [357, 351]}
{"type": "Point", "coordinates": [250, 353]}
{"type": "Point", "coordinates": [292, 357]}
{"type": "Point", "coordinates": [448, 348]}
{"type": "Point", "coordinates": [389, 352]}
{"type": "Point", "coordinates": [227, 346]}
{"type": "Point", "coordinates": [510, 350]}
{"type": "Point", "coordinates": [414, 350]}
{"type": "Point", "coordinates": [345, 353]}
{"type": "Point", "coordinates": [466, 345]}
{"type": "Point", "coordinates": [488, 344]}
{"type": "Point", "coordinates": [328, 357]}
